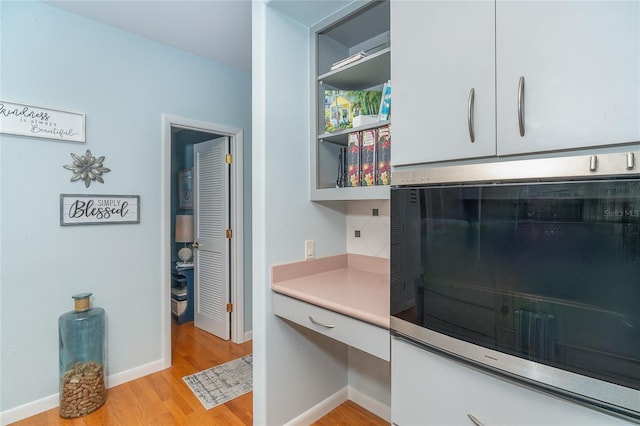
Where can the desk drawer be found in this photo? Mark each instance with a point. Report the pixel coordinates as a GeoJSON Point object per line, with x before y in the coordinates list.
{"type": "Point", "coordinates": [351, 331]}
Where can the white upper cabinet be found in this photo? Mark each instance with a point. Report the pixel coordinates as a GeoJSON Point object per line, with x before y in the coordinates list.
{"type": "Point", "coordinates": [441, 52]}
{"type": "Point", "coordinates": [580, 85]}
{"type": "Point", "coordinates": [581, 67]}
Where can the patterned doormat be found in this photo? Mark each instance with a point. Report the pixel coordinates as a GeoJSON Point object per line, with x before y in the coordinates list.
{"type": "Point", "coordinates": [222, 383]}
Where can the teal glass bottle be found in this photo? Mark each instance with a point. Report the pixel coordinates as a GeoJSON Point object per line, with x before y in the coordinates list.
{"type": "Point", "coordinates": [81, 333]}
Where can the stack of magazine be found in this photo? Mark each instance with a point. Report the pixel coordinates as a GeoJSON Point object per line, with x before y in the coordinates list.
{"type": "Point", "coordinates": [346, 61]}
{"type": "Point", "coordinates": [366, 160]}
{"type": "Point", "coordinates": [382, 43]}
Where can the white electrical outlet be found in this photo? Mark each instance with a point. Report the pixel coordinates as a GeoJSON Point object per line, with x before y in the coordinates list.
{"type": "Point", "coordinates": [309, 249]}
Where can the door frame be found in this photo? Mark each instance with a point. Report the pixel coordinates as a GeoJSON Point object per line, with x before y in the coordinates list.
{"type": "Point", "coordinates": [237, 246]}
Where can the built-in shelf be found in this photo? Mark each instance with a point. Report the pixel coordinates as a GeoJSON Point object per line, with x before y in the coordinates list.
{"type": "Point", "coordinates": [340, 137]}
{"type": "Point", "coordinates": [358, 27]}
{"type": "Point", "coordinates": [351, 193]}
{"type": "Point", "coordinates": [363, 74]}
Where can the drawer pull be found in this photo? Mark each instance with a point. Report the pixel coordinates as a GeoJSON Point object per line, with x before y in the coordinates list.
{"type": "Point", "coordinates": [320, 323]}
{"type": "Point", "coordinates": [474, 420]}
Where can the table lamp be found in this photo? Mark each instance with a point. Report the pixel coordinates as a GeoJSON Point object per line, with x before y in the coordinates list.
{"type": "Point", "coordinates": [184, 234]}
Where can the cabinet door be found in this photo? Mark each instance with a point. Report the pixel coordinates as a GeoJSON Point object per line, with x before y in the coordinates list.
{"type": "Point", "coordinates": [580, 61]}
{"type": "Point", "coordinates": [430, 389]}
{"type": "Point", "coordinates": [440, 50]}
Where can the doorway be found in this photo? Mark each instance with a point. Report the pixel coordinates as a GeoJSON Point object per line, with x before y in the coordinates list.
{"type": "Point", "coordinates": [171, 126]}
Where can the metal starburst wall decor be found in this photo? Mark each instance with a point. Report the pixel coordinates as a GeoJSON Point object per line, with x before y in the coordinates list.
{"type": "Point", "coordinates": [87, 167]}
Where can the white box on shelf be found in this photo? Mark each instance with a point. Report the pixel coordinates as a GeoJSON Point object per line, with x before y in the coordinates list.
{"type": "Point", "coordinates": [362, 120]}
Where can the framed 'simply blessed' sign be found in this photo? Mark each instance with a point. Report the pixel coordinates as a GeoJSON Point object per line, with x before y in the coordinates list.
{"type": "Point", "coordinates": [99, 209]}
{"type": "Point", "coordinates": [39, 122]}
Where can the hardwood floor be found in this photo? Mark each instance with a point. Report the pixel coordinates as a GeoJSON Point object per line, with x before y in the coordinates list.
{"type": "Point", "coordinates": [163, 398]}
{"type": "Point", "coordinates": [349, 414]}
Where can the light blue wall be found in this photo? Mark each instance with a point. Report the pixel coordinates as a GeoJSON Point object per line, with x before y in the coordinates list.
{"type": "Point", "coordinates": [123, 83]}
{"type": "Point", "coordinates": [285, 356]}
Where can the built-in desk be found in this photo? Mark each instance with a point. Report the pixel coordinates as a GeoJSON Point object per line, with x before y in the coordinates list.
{"type": "Point", "coordinates": [345, 297]}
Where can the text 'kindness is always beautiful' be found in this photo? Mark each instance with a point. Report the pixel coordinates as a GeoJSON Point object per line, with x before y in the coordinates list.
{"type": "Point", "coordinates": [27, 120]}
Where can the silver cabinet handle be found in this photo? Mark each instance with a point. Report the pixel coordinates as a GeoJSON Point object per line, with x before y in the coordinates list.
{"type": "Point", "coordinates": [320, 323]}
{"type": "Point", "coordinates": [521, 105]}
{"type": "Point", "coordinates": [474, 420]}
{"type": "Point", "coordinates": [472, 95]}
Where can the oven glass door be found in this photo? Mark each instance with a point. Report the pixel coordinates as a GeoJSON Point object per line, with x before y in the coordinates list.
{"type": "Point", "coordinates": [548, 272]}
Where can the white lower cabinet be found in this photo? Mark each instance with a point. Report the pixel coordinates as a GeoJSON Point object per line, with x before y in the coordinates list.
{"type": "Point", "coordinates": [355, 333]}
{"type": "Point", "coordinates": [430, 389]}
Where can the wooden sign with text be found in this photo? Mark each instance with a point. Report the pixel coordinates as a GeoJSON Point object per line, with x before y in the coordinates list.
{"type": "Point", "coordinates": [27, 120]}
{"type": "Point", "coordinates": [99, 209]}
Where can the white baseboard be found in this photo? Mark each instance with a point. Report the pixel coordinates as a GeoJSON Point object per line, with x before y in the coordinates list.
{"type": "Point", "coordinates": [248, 335]}
{"type": "Point", "coordinates": [47, 403]}
{"type": "Point", "coordinates": [370, 404]}
{"type": "Point", "coordinates": [321, 409]}
{"type": "Point", "coordinates": [135, 373]}
{"type": "Point", "coordinates": [29, 409]}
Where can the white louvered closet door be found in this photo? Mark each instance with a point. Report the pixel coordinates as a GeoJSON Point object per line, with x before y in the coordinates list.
{"type": "Point", "coordinates": [211, 197]}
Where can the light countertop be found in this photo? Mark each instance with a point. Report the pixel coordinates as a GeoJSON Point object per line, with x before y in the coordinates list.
{"type": "Point", "coordinates": [351, 284]}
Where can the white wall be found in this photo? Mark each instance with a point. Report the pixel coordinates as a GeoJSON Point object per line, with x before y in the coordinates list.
{"type": "Point", "coordinates": [123, 83]}
{"type": "Point", "coordinates": [369, 377]}
{"type": "Point", "coordinates": [285, 357]}
{"type": "Point", "coordinates": [370, 383]}
{"type": "Point", "coordinates": [375, 233]}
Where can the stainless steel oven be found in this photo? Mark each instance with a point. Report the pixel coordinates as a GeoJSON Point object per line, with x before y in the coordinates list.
{"type": "Point", "coordinates": [529, 268]}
